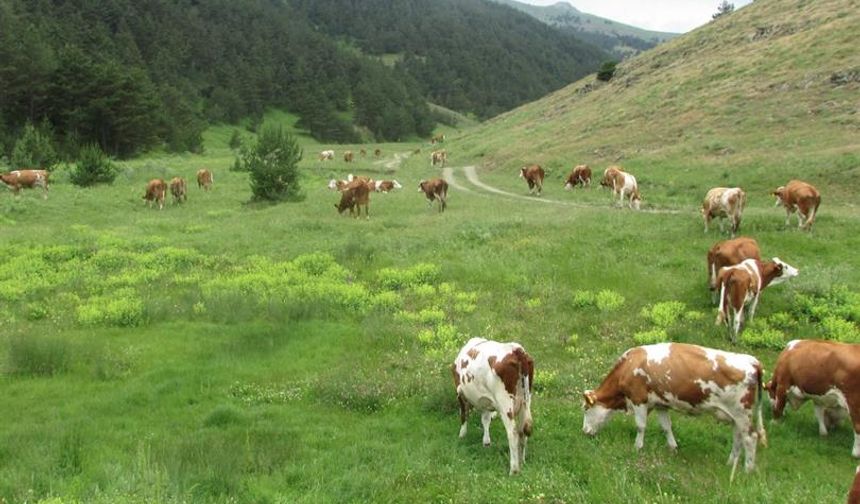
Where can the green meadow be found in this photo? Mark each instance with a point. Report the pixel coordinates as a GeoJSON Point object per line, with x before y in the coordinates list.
{"type": "Point", "coordinates": [223, 350]}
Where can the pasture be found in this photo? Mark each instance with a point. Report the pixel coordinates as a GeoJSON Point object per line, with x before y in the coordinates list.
{"type": "Point", "coordinates": [227, 351]}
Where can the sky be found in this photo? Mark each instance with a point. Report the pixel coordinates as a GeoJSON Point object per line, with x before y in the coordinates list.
{"type": "Point", "coordinates": [677, 16]}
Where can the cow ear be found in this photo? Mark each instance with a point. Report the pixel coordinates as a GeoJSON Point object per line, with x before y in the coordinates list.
{"type": "Point", "coordinates": [589, 397]}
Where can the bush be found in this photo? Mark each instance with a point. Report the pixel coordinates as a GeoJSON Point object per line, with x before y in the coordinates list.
{"type": "Point", "coordinates": [608, 300]}
{"type": "Point", "coordinates": [93, 167]}
{"type": "Point", "coordinates": [760, 335]}
{"type": "Point", "coordinates": [607, 71]}
{"type": "Point", "coordinates": [34, 149]}
{"type": "Point", "coordinates": [664, 314]}
{"type": "Point", "coordinates": [273, 165]}
{"type": "Point", "coordinates": [650, 337]}
{"type": "Point", "coordinates": [583, 299]}
{"type": "Point", "coordinates": [235, 140]}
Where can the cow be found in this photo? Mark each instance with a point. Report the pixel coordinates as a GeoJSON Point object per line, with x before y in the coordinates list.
{"type": "Point", "coordinates": [362, 153]}
{"type": "Point", "coordinates": [204, 179]}
{"type": "Point", "coordinates": [534, 177]}
{"type": "Point", "coordinates": [728, 253]}
{"type": "Point", "coordinates": [27, 179]}
{"type": "Point", "coordinates": [854, 494]}
{"type": "Point", "coordinates": [326, 155]}
{"type": "Point", "coordinates": [377, 153]}
{"type": "Point", "coordinates": [798, 196]}
{"type": "Point", "coordinates": [740, 288]}
{"type": "Point", "coordinates": [178, 190]}
{"type": "Point", "coordinates": [437, 139]}
{"type": "Point", "coordinates": [825, 372]}
{"type": "Point", "coordinates": [348, 157]}
{"type": "Point", "coordinates": [156, 189]}
{"type": "Point", "coordinates": [623, 185]}
{"type": "Point", "coordinates": [384, 186]}
{"type": "Point", "coordinates": [497, 378]}
{"type": "Point", "coordinates": [353, 196]}
{"type": "Point", "coordinates": [724, 202]}
{"type": "Point", "coordinates": [438, 157]}
{"type": "Point", "coordinates": [435, 189]}
{"type": "Point", "coordinates": [581, 175]}
{"type": "Point", "coordinates": [688, 378]}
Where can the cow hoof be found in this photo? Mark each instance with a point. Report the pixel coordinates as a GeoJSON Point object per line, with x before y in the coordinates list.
{"type": "Point", "coordinates": [487, 443]}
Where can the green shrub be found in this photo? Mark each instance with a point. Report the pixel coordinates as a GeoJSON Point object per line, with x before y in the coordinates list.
{"type": "Point", "coordinates": [607, 71]}
{"type": "Point", "coordinates": [122, 308]}
{"type": "Point", "coordinates": [222, 416]}
{"type": "Point", "coordinates": [273, 165]}
{"type": "Point", "coordinates": [761, 335]}
{"type": "Point", "coordinates": [421, 273]}
{"type": "Point", "coordinates": [608, 300]}
{"type": "Point", "coordinates": [36, 355]}
{"type": "Point", "coordinates": [651, 336]}
{"type": "Point", "coordinates": [838, 329]}
{"type": "Point", "coordinates": [664, 314]}
{"type": "Point", "coordinates": [583, 299]}
{"type": "Point", "coordinates": [93, 167]}
{"type": "Point", "coordinates": [34, 149]}
{"type": "Point", "coordinates": [235, 140]}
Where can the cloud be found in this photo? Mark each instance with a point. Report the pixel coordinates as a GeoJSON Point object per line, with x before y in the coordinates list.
{"type": "Point", "coordinates": [661, 15]}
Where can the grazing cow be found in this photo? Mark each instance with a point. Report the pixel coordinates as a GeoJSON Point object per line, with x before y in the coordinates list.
{"type": "Point", "coordinates": [497, 378]}
{"type": "Point", "coordinates": [729, 253]}
{"type": "Point", "coordinates": [327, 155]}
{"type": "Point", "coordinates": [348, 157]}
{"type": "Point", "coordinates": [623, 185]}
{"type": "Point", "coordinates": [27, 179]}
{"type": "Point", "coordinates": [178, 189]}
{"type": "Point", "coordinates": [724, 202]}
{"type": "Point", "coordinates": [825, 372]}
{"type": "Point", "coordinates": [798, 196]}
{"type": "Point", "coordinates": [384, 186]}
{"type": "Point", "coordinates": [337, 185]}
{"type": "Point", "coordinates": [854, 494]}
{"type": "Point", "coordinates": [377, 153]}
{"type": "Point", "coordinates": [741, 285]}
{"type": "Point", "coordinates": [581, 175]}
{"type": "Point", "coordinates": [438, 157]}
{"type": "Point", "coordinates": [156, 189]}
{"type": "Point", "coordinates": [355, 195]}
{"type": "Point", "coordinates": [435, 189]}
{"type": "Point", "coordinates": [534, 177]}
{"type": "Point", "coordinates": [687, 378]}
{"type": "Point", "coordinates": [204, 179]}
{"type": "Point", "coordinates": [362, 153]}
{"type": "Point", "coordinates": [437, 138]}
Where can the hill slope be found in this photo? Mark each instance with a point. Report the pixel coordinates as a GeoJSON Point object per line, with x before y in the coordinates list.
{"type": "Point", "coordinates": [616, 38]}
{"type": "Point", "coordinates": [773, 84]}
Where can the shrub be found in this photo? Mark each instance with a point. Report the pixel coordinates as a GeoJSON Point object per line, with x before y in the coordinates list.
{"type": "Point", "coordinates": [759, 334]}
{"type": "Point", "coordinates": [235, 140]}
{"type": "Point", "coordinates": [38, 355]}
{"type": "Point", "coordinates": [93, 167]}
{"type": "Point", "coordinates": [608, 300]}
{"type": "Point", "coordinates": [840, 330]}
{"type": "Point", "coordinates": [34, 149]}
{"type": "Point", "coordinates": [664, 314]}
{"type": "Point", "coordinates": [582, 299]}
{"type": "Point", "coordinates": [122, 308]}
{"type": "Point", "coordinates": [421, 273]}
{"type": "Point", "coordinates": [273, 165]}
{"type": "Point", "coordinates": [656, 335]}
{"type": "Point", "coordinates": [607, 71]}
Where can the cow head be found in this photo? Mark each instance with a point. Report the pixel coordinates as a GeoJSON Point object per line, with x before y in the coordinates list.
{"type": "Point", "coordinates": [636, 201]}
{"type": "Point", "coordinates": [421, 186]}
{"type": "Point", "coordinates": [779, 194]}
{"type": "Point", "coordinates": [596, 415]}
{"type": "Point", "coordinates": [396, 184]}
{"type": "Point", "coordinates": [784, 271]}
{"type": "Point", "coordinates": [523, 172]}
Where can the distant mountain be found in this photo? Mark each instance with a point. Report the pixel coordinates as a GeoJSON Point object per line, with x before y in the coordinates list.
{"type": "Point", "coordinates": [618, 39]}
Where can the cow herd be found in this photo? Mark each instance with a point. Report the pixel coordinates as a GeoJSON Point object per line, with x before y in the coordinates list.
{"type": "Point", "coordinates": [156, 189]}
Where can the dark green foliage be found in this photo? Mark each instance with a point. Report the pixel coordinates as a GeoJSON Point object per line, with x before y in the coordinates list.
{"type": "Point", "coordinates": [273, 165]}
{"type": "Point", "coordinates": [607, 70]}
{"type": "Point", "coordinates": [723, 9]}
{"type": "Point", "coordinates": [93, 167]}
{"type": "Point", "coordinates": [235, 140]}
{"type": "Point", "coordinates": [34, 149]}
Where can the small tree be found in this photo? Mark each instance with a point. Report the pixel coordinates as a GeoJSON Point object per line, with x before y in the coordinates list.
{"type": "Point", "coordinates": [235, 140]}
{"type": "Point", "coordinates": [34, 149]}
{"type": "Point", "coordinates": [723, 9]}
{"type": "Point", "coordinates": [607, 70]}
{"type": "Point", "coordinates": [273, 165]}
{"type": "Point", "coordinates": [93, 167]}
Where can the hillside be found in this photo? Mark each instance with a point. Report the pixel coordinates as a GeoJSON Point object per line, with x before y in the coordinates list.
{"type": "Point", "coordinates": [616, 38]}
{"type": "Point", "coordinates": [772, 85]}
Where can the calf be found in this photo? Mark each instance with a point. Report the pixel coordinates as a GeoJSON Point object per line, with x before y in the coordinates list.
{"type": "Point", "coordinates": [348, 157]}
{"type": "Point", "coordinates": [435, 189]}
{"type": "Point", "coordinates": [155, 191]}
{"type": "Point", "coordinates": [729, 253]}
{"type": "Point", "coordinates": [687, 378]}
{"type": "Point", "coordinates": [825, 372]}
{"type": "Point", "coordinates": [724, 202]}
{"type": "Point", "coordinates": [798, 196]}
{"type": "Point", "coordinates": [623, 185]}
{"type": "Point", "coordinates": [353, 196]}
{"type": "Point", "coordinates": [438, 157]}
{"type": "Point", "coordinates": [326, 155]}
{"type": "Point", "coordinates": [384, 186]}
{"type": "Point", "coordinates": [740, 287]}
{"type": "Point", "coordinates": [581, 175]}
{"type": "Point", "coordinates": [27, 179]}
{"type": "Point", "coordinates": [178, 189]}
{"type": "Point", "coordinates": [362, 153]}
{"type": "Point", "coordinates": [204, 179]}
{"type": "Point", "coordinates": [377, 153]}
{"type": "Point", "coordinates": [497, 378]}
{"type": "Point", "coordinates": [534, 177]}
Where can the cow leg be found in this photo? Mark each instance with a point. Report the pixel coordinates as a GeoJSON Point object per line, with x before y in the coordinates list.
{"type": "Point", "coordinates": [707, 222]}
{"type": "Point", "coordinates": [822, 422]}
{"type": "Point", "coordinates": [750, 444]}
{"type": "Point", "coordinates": [666, 424]}
{"type": "Point", "coordinates": [738, 322]}
{"type": "Point", "coordinates": [486, 418]}
{"type": "Point", "coordinates": [640, 416]}
{"type": "Point", "coordinates": [513, 441]}
{"type": "Point", "coordinates": [855, 421]}
{"type": "Point", "coordinates": [736, 448]}
{"type": "Point", "coordinates": [464, 415]}
{"type": "Point", "coordinates": [753, 306]}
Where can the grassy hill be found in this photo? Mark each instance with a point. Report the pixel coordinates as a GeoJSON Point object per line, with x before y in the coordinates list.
{"type": "Point", "coordinates": [616, 38]}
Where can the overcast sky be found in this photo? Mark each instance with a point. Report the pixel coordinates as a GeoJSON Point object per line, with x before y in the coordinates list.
{"type": "Point", "coordinates": [661, 15]}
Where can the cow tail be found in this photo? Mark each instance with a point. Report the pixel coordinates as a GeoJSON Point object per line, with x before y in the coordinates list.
{"type": "Point", "coordinates": [811, 218]}
{"type": "Point", "coordinates": [722, 312]}
{"type": "Point", "coordinates": [759, 405]}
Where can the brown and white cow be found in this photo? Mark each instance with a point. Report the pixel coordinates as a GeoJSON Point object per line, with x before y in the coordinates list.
{"type": "Point", "coordinates": [362, 153]}
{"type": "Point", "coordinates": [27, 179]}
{"type": "Point", "coordinates": [728, 253]}
{"type": "Point", "coordinates": [724, 202]}
{"type": "Point", "coordinates": [623, 185]}
{"type": "Point", "coordinates": [824, 372]}
{"type": "Point", "coordinates": [385, 186]}
{"type": "Point", "coordinates": [438, 157]}
{"type": "Point", "coordinates": [156, 190]}
{"type": "Point", "coordinates": [798, 196]}
{"type": "Point", "coordinates": [437, 139]}
{"type": "Point", "coordinates": [204, 179]}
{"type": "Point", "coordinates": [353, 196]}
{"type": "Point", "coordinates": [326, 155]}
{"type": "Point", "coordinates": [377, 153]}
{"type": "Point", "coordinates": [534, 177]}
{"type": "Point", "coordinates": [497, 378]}
{"type": "Point", "coordinates": [178, 189]}
{"type": "Point", "coordinates": [435, 189]}
{"type": "Point", "coordinates": [580, 175]}
{"type": "Point", "coordinates": [348, 157]}
{"type": "Point", "coordinates": [687, 378]}
{"type": "Point", "coordinates": [740, 288]}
